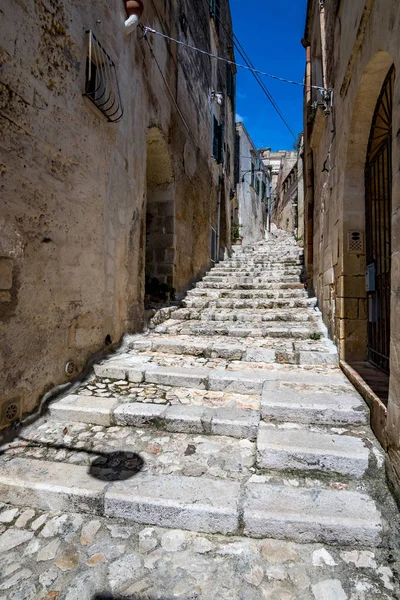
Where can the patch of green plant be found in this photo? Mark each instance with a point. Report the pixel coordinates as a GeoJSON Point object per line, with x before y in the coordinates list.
{"type": "Point", "coordinates": [235, 232]}
{"type": "Point", "coordinates": [315, 336]}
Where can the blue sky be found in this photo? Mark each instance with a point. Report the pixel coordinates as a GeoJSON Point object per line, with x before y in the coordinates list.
{"type": "Point", "coordinates": [270, 33]}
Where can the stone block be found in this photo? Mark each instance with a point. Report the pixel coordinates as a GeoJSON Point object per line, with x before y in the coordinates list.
{"type": "Point", "coordinates": [305, 406]}
{"type": "Point", "coordinates": [305, 450]}
{"type": "Point", "coordinates": [193, 503]}
{"type": "Point", "coordinates": [86, 409]}
{"type": "Point", "coordinates": [53, 486]}
{"type": "Point", "coordinates": [187, 419]}
{"type": "Point", "coordinates": [308, 515]}
{"type": "Point", "coordinates": [143, 346]}
{"type": "Point", "coordinates": [235, 422]}
{"type": "Point", "coordinates": [135, 375]}
{"type": "Point", "coordinates": [318, 358]}
{"type": "Point", "coordinates": [191, 378]}
{"type": "Point", "coordinates": [6, 278]}
{"type": "Point", "coordinates": [110, 370]}
{"type": "Point", "coordinates": [351, 287]}
{"type": "Point", "coordinates": [136, 414]}
{"type": "Point", "coordinates": [227, 351]}
{"type": "Point", "coordinates": [241, 382]}
{"type": "Point", "coordinates": [259, 355]}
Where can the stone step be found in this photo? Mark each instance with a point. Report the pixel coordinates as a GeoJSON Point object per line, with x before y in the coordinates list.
{"type": "Point", "coordinates": [304, 450]}
{"type": "Point", "coordinates": [274, 286]}
{"type": "Point", "coordinates": [283, 403]}
{"type": "Point", "coordinates": [311, 515]}
{"type": "Point", "coordinates": [202, 303]}
{"type": "Point", "coordinates": [250, 280]}
{"type": "Point", "coordinates": [227, 293]}
{"type": "Point", "coordinates": [307, 330]}
{"type": "Point", "coordinates": [293, 315]}
{"type": "Point", "coordinates": [271, 352]}
{"type": "Point", "coordinates": [201, 504]}
{"type": "Point", "coordinates": [247, 271]}
{"type": "Point", "coordinates": [106, 411]}
{"type": "Point", "coordinates": [225, 380]}
{"type": "Point", "coordinates": [241, 382]}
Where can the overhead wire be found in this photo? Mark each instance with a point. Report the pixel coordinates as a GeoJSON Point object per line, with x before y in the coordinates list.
{"type": "Point", "coordinates": [146, 29]}
{"type": "Point", "coordinates": [248, 62]}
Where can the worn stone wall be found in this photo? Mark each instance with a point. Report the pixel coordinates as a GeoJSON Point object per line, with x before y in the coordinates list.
{"type": "Point", "coordinates": [75, 188]}
{"type": "Point", "coordinates": [252, 207]}
{"type": "Point", "coordinates": [361, 44]}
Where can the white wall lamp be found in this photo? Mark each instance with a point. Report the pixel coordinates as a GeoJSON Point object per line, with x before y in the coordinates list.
{"type": "Point", "coordinates": [134, 10]}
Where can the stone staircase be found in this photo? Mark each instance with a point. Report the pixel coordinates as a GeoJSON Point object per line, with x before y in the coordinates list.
{"type": "Point", "coordinates": [230, 417]}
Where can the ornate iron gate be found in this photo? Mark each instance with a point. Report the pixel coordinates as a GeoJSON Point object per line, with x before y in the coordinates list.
{"type": "Point", "coordinates": [378, 189]}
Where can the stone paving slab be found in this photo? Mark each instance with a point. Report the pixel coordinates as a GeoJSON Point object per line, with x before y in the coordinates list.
{"type": "Point", "coordinates": [69, 556]}
{"type": "Point", "coordinates": [197, 504]}
{"type": "Point", "coordinates": [304, 515]}
{"type": "Point", "coordinates": [305, 450]}
{"type": "Point", "coordinates": [312, 406]}
{"type": "Point", "coordinates": [158, 452]}
{"type": "Point", "coordinates": [50, 486]}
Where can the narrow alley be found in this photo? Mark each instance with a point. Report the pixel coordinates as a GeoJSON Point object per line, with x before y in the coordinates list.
{"type": "Point", "coordinates": [199, 300]}
{"type": "Point", "coordinates": [220, 455]}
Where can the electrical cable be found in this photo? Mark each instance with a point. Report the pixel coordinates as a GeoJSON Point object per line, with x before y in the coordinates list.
{"type": "Point", "coordinates": [246, 58]}
{"type": "Point", "coordinates": [147, 29]}
{"type": "Point", "coordinates": [248, 62]}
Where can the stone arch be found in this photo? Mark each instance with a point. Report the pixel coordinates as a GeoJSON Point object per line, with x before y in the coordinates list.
{"type": "Point", "coordinates": [353, 322]}
{"type": "Point", "coordinates": [160, 218]}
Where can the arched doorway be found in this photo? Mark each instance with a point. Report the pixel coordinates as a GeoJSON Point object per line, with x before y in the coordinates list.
{"type": "Point", "coordinates": [378, 201]}
{"type": "Point", "coordinates": [160, 220]}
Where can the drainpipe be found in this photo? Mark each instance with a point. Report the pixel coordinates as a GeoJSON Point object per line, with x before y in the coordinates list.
{"type": "Point", "coordinates": [323, 40]}
{"type": "Point", "coordinates": [134, 10]}
{"type": "Point", "coordinates": [219, 217]}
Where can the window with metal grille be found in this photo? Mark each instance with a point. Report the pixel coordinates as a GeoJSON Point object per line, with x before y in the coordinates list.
{"type": "Point", "coordinates": [101, 86]}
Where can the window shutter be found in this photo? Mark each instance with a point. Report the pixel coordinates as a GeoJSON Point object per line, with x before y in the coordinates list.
{"type": "Point", "coordinates": [221, 143]}
{"type": "Point", "coordinates": [215, 149]}
{"type": "Point", "coordinates": [213, 8]}
{"type": "Point", "coordinates": [229, 89]}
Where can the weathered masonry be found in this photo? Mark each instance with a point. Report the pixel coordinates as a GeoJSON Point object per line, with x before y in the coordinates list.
{"type": "Point", "coordinates": [116, 173]}
{"type": "Point", "coordinates": [352, 182]}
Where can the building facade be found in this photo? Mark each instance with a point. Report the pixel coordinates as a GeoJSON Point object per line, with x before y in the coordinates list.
{"type": "Point", "coordinates": [116, 171]}
{"type": "Point", "coordinates": [352, 188]}
{"type": "Point", "coordinates": [288, 194]}
{"type": "Point", "coordinates": [280, 164]}
{"type": "Point", "coordinates": [253, 187]}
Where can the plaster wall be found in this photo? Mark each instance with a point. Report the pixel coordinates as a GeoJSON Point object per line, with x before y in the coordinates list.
{"type": "Point", "coordinates": [74, 187]}
{"type": "Point", "coordinates": [252, 209]}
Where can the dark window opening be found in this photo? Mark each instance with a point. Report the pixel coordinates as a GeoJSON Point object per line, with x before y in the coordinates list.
{"type": "Point", "coordinates": [218, 141]}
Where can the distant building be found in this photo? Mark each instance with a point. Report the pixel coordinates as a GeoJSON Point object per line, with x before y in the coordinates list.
{"type": "Point", "coordinates": [286, 171]}
{"type": "Point", "coordinates": [253, 184]}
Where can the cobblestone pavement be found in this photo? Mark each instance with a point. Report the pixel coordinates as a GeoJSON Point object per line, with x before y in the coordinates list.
{"type": "Point", "coordinates": [220, 455]}
{"type": "Point", "coordinates": [66, 555]}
